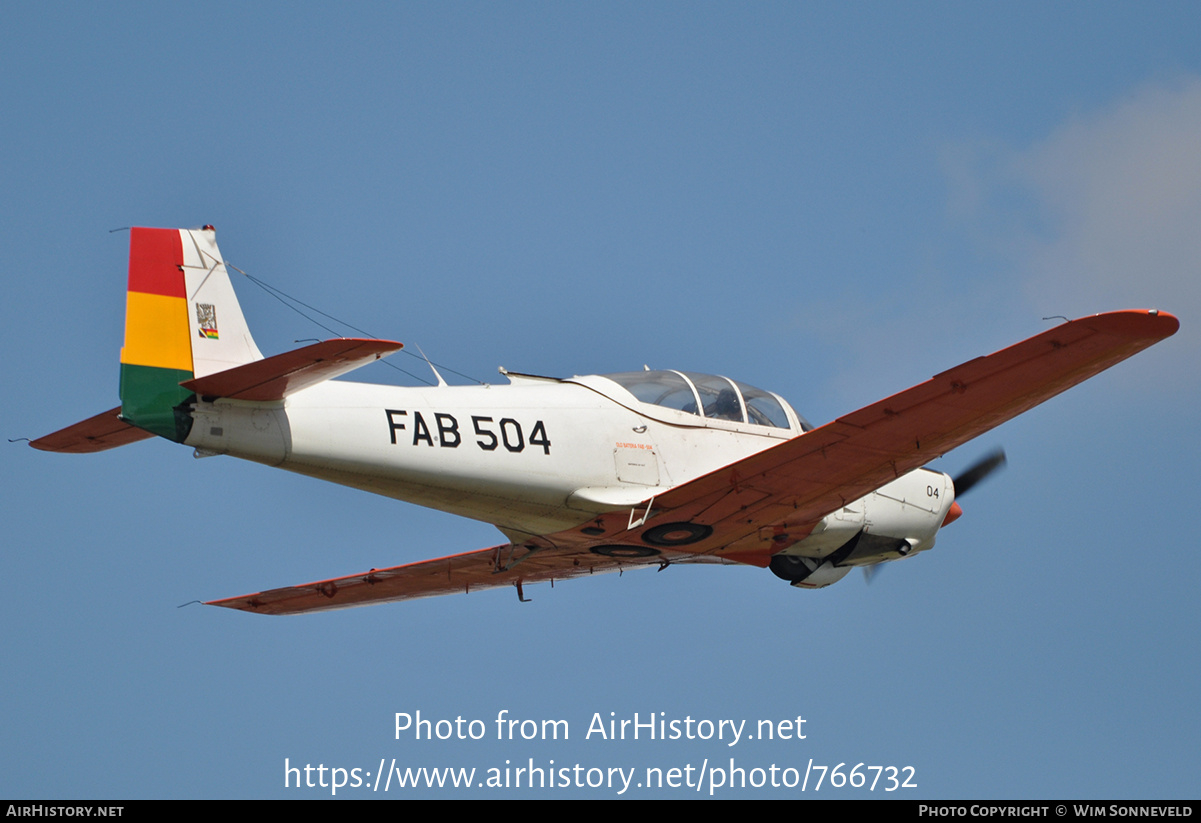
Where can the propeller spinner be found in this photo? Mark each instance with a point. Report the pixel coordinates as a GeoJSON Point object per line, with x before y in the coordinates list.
{"type": "Point", "coordinates": [974, 474]}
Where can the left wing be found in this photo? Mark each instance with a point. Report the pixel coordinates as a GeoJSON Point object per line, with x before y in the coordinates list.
{"type": "Point", "coordinates": [749, 510]}
{"type": "Point", "coordinates": [507, 565]}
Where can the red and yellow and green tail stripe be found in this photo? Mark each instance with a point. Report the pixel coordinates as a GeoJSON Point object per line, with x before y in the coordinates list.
{"type": "Point", "coordinates": [157, 355]}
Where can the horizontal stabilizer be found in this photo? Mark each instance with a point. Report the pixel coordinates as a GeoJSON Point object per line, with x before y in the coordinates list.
{"type": "Point", "coordinates": [96, 434]}
{"type": "Point", "coordinates": [274, 378]}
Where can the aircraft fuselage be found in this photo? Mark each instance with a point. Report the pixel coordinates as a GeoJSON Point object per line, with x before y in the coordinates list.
{"type": "Point", "coordinates": [535, 457]}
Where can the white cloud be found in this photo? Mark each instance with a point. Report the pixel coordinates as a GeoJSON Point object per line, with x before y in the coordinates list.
{"type": "Point", "coordinates": [1103, 213]}
{"type": "Point", "coordinates": [1122, 190]}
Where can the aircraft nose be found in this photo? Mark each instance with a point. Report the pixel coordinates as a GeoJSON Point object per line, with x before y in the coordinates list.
{"type": "Point", "coordinates": [953, 514]}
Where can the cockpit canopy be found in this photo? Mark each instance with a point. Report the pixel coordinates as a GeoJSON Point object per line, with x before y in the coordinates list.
{"type": "Point", "coordinates": [707, 395]}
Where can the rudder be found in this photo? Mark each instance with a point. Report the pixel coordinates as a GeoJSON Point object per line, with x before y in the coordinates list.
{"type": "Point", "coordinates": [182, 320]}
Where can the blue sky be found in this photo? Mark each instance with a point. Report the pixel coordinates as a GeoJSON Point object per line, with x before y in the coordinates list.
{"type": "Point", "coordinates": [830, 201]}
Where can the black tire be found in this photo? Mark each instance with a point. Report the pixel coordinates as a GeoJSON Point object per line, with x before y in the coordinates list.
{"type": "Point", "coordinates": [789, 567]}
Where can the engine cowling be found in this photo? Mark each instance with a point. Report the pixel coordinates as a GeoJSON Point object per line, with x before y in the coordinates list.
{"type": "Point", "coordinates": [898, 519]}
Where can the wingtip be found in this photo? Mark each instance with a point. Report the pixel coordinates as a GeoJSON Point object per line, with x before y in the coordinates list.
{"type": "Point", "coordinates": [1151, 324]}
{"type": "Point", "coordinates": [1170, 322]}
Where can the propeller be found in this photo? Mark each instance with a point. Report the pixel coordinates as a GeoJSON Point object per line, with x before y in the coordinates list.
{"type": "Point", "coordinates": [979, 470]}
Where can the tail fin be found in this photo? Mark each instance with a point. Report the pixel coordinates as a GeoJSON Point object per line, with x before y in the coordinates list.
{"type": "Point", "coordinates": [183, 324]}
{"type": "Point", "coordinates": [182, 320]}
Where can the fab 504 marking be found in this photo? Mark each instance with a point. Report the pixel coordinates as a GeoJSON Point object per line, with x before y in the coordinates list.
{"type": "Point", "coordinates": [512, 436]}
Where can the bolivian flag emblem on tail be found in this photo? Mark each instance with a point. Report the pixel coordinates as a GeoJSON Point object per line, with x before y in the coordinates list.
{"type": "Point", "coordinates": [157, 355]}
{"type": "Point", "coordinates": [206, 319]}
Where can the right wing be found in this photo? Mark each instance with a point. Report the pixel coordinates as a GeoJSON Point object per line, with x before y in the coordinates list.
{"type": "Point", "coordinates": [764, 502]}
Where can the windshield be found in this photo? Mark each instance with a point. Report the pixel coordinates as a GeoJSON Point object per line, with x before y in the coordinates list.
{"type": "Point", "coordinates": [707, 395]}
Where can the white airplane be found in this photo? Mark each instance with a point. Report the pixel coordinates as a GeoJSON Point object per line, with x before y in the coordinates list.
{"type": "Point", "coordinates": [582, 475]}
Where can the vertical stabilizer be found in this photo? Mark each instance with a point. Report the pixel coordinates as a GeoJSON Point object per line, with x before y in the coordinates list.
{"type": "Point", "coordinates": [220, 337]}
{"type": "Point", "coordinates": [182, 320]}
